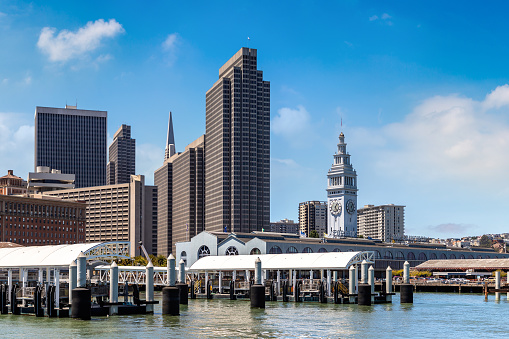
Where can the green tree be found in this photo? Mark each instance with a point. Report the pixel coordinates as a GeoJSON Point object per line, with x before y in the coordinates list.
{"type": "Point", "coordinates": [314, 234]}
{"type": "Point", "coordinates": [485, 241]}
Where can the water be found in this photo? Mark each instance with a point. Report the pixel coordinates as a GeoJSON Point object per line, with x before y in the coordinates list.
{"type": "Point", "coordinates": [432, 315]}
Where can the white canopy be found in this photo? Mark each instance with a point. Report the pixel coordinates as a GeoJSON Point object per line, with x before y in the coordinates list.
{"type": "Point", "coordinates": [294, 261]}
{"type": "Point", "coordinates": [59, 255]}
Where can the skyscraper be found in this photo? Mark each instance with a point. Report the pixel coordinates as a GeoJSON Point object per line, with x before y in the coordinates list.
{"type": "Point", "coordinates": [73, 141]}
{"type": "Point", "coordinates": [122, 162]}
{"type": "Point", "coordinates": [237, 152]}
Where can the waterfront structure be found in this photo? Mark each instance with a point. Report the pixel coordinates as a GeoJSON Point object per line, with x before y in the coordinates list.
{"type": "Point", "coordinates": [313, 217]}
{"type": "Point", "coordinates": [385, 254]}
{"type": "Point", "coordinates": [122, 155]}
{"type": "Point", "coordinates": [342, 194]}
{"type": "Point", "coordinates": [284, 226]}
{"type": "Point", "coordinates": [40, 220]}
{"type": "Point", "coordinates": [73, 141]}
{"type": "Point", "coordinates": [384, 222]}
{"type": "Point", "coordinates": [237, 168]}
{"type": "Point", "coordinates": [11, 184]}
{"type": "Point", "coordinates": [45, 179]}
{"type": "Point", "coordinates": [123, 212]}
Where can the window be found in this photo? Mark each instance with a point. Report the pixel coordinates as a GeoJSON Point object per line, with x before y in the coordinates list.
{"type": "Point", "coordinates": [255, 251]}
{"type": "Point", "coordinates": [422, 256]}
{"type": "Point", "coordinates": [307, 250]}
{"type": "Point", "coordinates": [322, 250]}
{"type": "Point", "coordinates": [411, 256]}
{"type": "Point", "coordinates": [275, 250]}
{"type": "Point", "coordinates": [338, 250]}
{"type": "Point", "coordinates": [203, 252]}
{"type": "Point", "coordinates": [232, 250]}
{"type": "Point", "coordinates": [292, 249]}
{"type": "Point", "coordinates": [433, 256]}
{"type": "Point", "coordinates": [400, 256]}
{"type": "Point", "coordinates": [452, 256]}
{"type": "Point", "coordinates": [388, 255]}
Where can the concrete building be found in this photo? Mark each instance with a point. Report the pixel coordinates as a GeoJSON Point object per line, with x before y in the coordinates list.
{"type": "Point", "coordinates": [237, 168]}
{"type": "Point", "coordinates": [40, 220]}
{"type": "Point", "coordinates": [123, 212]}
{"type": "Point", "coordinates": [73, 141]}
{"type": "Point", "coordinates": [284, 226]}
{"type": "Point", "coordinates": [11, 184]}
{"type": "Point", "coordinates": [342, 194]}
{"type": "Point", "coordinates": [122, 155]}
{"type": "Point", "coordinates": [384, 222]}
{"type": "Point", "coordinates": [45, 179]}
{"type": "Point", "coordinates": [313, 217]}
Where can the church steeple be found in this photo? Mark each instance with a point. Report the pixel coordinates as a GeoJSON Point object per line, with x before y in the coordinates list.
{"type": "Point", "coordinates": [170, 140]}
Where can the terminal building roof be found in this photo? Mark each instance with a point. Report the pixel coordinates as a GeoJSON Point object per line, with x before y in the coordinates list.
{"type": "Point", "coordinates": [464, 265]}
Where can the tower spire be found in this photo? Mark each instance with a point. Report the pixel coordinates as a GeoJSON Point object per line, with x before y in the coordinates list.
{"type": "Point", "coordinates": [170, 140]}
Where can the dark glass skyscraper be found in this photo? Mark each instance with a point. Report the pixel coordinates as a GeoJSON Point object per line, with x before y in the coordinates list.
{"type": "Point", "coordinates": [237, 152]}
{"type": "Point", "coordinates": [122, 162]}
{"type": "Point", "coordinates": [72, 140]}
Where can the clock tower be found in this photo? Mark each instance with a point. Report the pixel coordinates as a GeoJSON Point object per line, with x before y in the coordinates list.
{"type": "Point", "coordinates": [342, 195]}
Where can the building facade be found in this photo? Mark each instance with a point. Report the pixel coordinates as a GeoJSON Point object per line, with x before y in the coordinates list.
{"type": "Point", "coordinates": [74, 141]}
{"type": "Point", "coordinates": [313, 217]}
{"type": "Point", "coordinates": [118, 212]}
{"type": "Point", "coordinates": [342, 194]}
{"type": "Point", "coordinates": [284, 226]}
{"type": "Point", "coordinates": [384, 222]}
{"type": "Point", "coordinates": [237, 168]}
{"type": "Point", "coordinates": [38, 220]}
{"type": "Point", "coordinates": [45, 179]}
{"type": "Point", "coordinates": [11, 184]}
{"type": "Point", "coordinates": [122, 155]}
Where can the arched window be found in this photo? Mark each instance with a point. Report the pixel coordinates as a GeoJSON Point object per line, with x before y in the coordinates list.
{"type": "Point", "coordinates": [462, 256]}
{"type": "Point", "coordinates": [443, 256]}
{"type": "Point", "coordinates": [433, 256]}
{"type": "Point", "coordinates": [452, 256]}
{"type": "Point", "coordinates": [307, 250]}
{"type": "Point", "coordinates": [400, 256]}
{"type": "Point", "coordinates": [388, 255]}
{"type": "Point", "coordinates": [255, 251]}
{"type": "Point", "coordinates": [411, 256]}
{"type": "Point", "coordinates": [336, 250]}
{"type": "Point", "coordinates": [232, 250]}
{"type": "Point", "coordinates": [422, 256]}
{"type": "Point", "coordinates": [322, 250]}
{"type": "Point", "coordinates": [292, 249]}
{"type": "Point", "coordinates": [479, 256]}
{"type": "Point", "coordinates": [486, 257]}
{"type": "Point", "coordinates": [183, 256]}
{"type": "Point", "coordinates": [350, 250]}
{"type": "Point", "coordinates": [470, 256]}
{"type": "Point", "coordinates": [378, 255]}
{"type": "Point", "coordinates": [275, 250]}
{"type": "Point", "coordinates": [203, 252]}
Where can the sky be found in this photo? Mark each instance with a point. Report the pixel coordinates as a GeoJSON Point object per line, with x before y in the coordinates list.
{"type": "Point", "coordinates": [421, 89]}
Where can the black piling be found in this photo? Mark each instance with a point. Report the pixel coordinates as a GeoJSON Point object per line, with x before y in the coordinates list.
{"type": "Point", "coordinates": [81, 305]}
{"type": "Point", "coordinates": [14, 301]}
{"type": "Point", "coordinates": [183, 293]}
{"type": "Point", "coordinates": [232, 290]}
{"type": "Point", "coordinates": [406, 292]}
{"type": "Point", "coordinates": [335, 293]}
{"type": "Point", "coordinates": [171, 300]}
{"type": "Point", "coordinates": [209, 290]}
{"type": "Point", "coordinates": [3, 299]}
{"type": "Point", "coordinates": [321, 296]}
{"type": "Point", "coordinates": [364, 295]}
{"type": "Point", "coordinates": [271, 291]}
{"type": "Point", "coordinates": [193, 293]}
{"type": "Point", "coordinates": [38, 310]}
{"type": "Point", "coordinates": [297, 292]}
{"type": "Point", "coordinates": [285, 291]}
{"type": "Point", "coordinates": [257, 296]}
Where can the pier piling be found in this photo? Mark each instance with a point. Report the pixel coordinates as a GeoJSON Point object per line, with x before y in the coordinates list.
{"type": "Point", "coordinates": [171, 295]}
{"type": "Point", "coordinates": [406, 290]}
{"type": "Point", "coordinates": [257, 290]}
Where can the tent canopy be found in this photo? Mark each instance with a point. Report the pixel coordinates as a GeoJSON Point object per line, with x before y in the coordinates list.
{"type": "Point", "coordinates": [294, 261]}
{"type": "Point", "coordinates": [59, 255]}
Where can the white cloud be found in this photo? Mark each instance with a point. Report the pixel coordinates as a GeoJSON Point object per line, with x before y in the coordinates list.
{"type": "Point", "coordinates": [67, 45]}
{"type": "Point", "coordinates": [290, 123]}
{"type": "Point", "coordinates": [27, 80]}
{"type": "Point", "coordinates": [5, 81]}
{"type": "Point", "coordinates": [171, 42]}
{"type": "Point", "coordinates": [445, 139]}
{"type": "Point", "coordinates": [497, 98]}
{"type": "Point", "coordinates": [16, 144]}
{"type": "Point", "coordinates": [386, 16]}
{"type": "Point", "coordinates": [170, 47]}
{"type": "Point", "coordinates": [373, 18]}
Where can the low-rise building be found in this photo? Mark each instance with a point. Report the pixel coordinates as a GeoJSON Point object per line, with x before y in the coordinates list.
{"type": "Point", "coordinates": [45, 179]}
{"type": "Point", "coordinates": [284, 226]}
{"type": "Point", "coordinates": [384, 222]}
{"type": "Point", "coordinates": [11, 184]}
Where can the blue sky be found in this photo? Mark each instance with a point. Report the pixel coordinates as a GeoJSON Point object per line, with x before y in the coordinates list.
{"type": "Point", "coordinates": [421, 88]}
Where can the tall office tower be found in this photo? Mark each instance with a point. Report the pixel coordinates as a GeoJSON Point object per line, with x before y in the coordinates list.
{"type": "Point", "coordinates": [163, 179]}
{"type": "Point", "coordinates": [122, 157]}
{"type": "Point", "coordinates": [237, 167]}
{"type": "Point", "coordinates": [313, 217]}
{"type": "Point", "coordinates": [342, 194]}
{"type": "Point", "coordinates": [73, 141]}
{"type": "Point", "coordinates": [385, 222]}
{"type": "Point", "coordinates": [188, 192]}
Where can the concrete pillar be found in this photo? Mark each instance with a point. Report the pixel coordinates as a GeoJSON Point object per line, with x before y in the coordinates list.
{"type": "Point", "coordinates": [406, 273]}
{"type": "Point", "coordinates": [294, 279]}
{"type": "Point", "coordinates": [351, 283]}
{"type": "Point", "coordinates": [9, 282]}
{"type": "Point", "coordinates": [247, 276]}
{"type": "Point", "coordinates": [264, 276]}
{"type": "Point", "coordinates": [364, 272]}
{"type": "Point", "coordinates": [81, 262]}
{"type": "Point", "coordinates": [182, 271]}
{"type": "Point", "coordinates": [48, 279]}
{"type": "Point", "coordinates": [149, 279]}
{"type": "Point", "coordinates": [335, 276]}
{"type": "Point", "coordinates": [40, 277]}
{"type": "Point", "coordinates": [73, 278]}
{"type": "Point", "coordinates": [497, 285]}
{"type": "Point", "coordinates": [57, 288]}
{"type": "Point", "coordinates": [113, 287]}
{"type": "Point", "coordinates": [278, 282]}
{"type": "Point", "coordinates": [170, 270]}
{"type": "Point", "coordinates": [356, 278]}
{"type": "Point", "coordinates": [321, 274]}
{"type": "Point", "coordinates": [371, 282]}
{"type": "Point", "coordinates": [234, 276]}
{"type": "Point", "coordinates": [206, 280]}
{"type": "Point", "coordinates": [310, 274]}
{"type": "Point", "coordinates": [220, 281]}
{"type": "Point", "coordinates": [258, 271]}
{"type": "Point", "coordinates": [328, 283]}
{"type": "Point", "coordinates": [388, 283]}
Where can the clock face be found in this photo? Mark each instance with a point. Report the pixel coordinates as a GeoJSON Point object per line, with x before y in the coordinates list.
{"type": "Point", "coordinates": [350, 206]}
{"type": "Point", "coordinates": [335, 207]}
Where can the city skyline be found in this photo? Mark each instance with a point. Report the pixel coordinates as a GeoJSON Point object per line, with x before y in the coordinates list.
{"type": "Point", "coordinates": [421, 90]}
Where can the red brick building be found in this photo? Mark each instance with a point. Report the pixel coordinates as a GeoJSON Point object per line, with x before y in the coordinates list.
{"type": "Point", "coordinates": [11, 184]}
{"type": "Point", "coordinates": [39, 220]}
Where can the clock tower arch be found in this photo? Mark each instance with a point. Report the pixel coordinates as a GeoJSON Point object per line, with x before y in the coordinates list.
{"type": "Point", "coordinates": [342, 195]}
